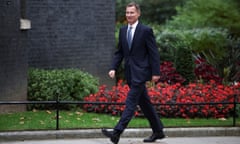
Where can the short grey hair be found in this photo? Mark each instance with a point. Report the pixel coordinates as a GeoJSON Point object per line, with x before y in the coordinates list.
{"type": "Point", "coordinates": [136, 5]}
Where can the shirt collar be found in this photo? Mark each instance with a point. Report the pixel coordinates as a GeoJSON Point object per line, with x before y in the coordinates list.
{"type": "Point", "coordinates": [133, 25]}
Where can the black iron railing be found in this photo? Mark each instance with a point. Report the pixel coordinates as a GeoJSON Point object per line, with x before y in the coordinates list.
{"type": "Point", "coordinates": [57, 102]}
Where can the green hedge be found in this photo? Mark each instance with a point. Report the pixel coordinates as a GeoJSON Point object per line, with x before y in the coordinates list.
{"type": "Point", "coordinates": [68, 84]}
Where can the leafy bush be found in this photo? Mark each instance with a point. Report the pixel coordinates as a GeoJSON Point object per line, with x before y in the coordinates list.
{"type": "Point", "coordinates": [69, 85]}
{"type": "Point", "coordinates": [184, 64]}
{"type": "Point", "coordinates": [208, 13]}
{"type": "Point", "coordinates": [231, 62]}
{"type": "Point", "coordinates": [176, 93]}
{"type": "Point", "coordinates": [212, 44]}
{"type": "Point", "coordinates": [169, 74]}
{"type": "Point", "coordinates": [166, 42]}
{"type": "Point", "coordinates": [205, 72]}
{"type": "Point", "coordinates": [207, 27]}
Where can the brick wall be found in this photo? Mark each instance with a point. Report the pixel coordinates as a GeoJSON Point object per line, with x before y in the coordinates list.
{"type": "Point", "coordinates": [72, 34]}
{"type": "Point", "coordinates": [63, 34]}
{"type": "Point", "coordinates": [13, 56]}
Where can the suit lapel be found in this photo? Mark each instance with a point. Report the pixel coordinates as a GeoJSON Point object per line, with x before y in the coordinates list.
{"type": "Point", "coordinates": [135, 37]}
{"type": "Point", "coordinates": [124, 37]}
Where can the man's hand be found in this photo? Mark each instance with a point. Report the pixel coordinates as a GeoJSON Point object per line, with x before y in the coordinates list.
{"type": "Point", "coordinates": [111, 73]}
{"type": "Point", "coordinates": [155, 78]}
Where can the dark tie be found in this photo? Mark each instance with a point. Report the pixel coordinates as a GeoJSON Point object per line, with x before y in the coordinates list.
{"type": "Point", "coordinates": [129, 37]}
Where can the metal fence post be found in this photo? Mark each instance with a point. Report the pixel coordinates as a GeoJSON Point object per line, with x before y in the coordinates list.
{"type": "Point", "coordinates": [57, 111]}
{"type": "Point", "coordinates": [234, 110]}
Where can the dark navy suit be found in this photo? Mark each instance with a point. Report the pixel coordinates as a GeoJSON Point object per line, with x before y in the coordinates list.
{"type": "Point", "coordinates": [141, 62]}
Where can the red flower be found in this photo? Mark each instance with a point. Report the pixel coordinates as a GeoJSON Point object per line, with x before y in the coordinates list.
{"type": "Point", "coordinates": [164, 93]}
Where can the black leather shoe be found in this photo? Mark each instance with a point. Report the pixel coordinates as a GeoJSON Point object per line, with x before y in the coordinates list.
{"type": "Point", "coordinates": [154, 137]}
{"type": "Point", "coordinates": [113, 135]}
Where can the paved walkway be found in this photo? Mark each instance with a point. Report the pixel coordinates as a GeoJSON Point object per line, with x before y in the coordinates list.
{"type": "Point", "coordinates": [198, 135]}
{"type": "Point", "coordinates": [169, 140]}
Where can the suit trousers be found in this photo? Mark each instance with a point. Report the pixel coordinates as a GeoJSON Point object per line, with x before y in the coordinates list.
{"type": "Point", "coordinates": [138, 96]}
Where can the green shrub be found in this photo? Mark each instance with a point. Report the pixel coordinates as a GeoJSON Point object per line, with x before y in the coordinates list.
{"type": "Point", "coordinates": [213, 44]}
{"type": "Point", "coordinates": [210, 29]}
{"type": "Point", "coordinates": [68, 84]}
{"type": "Point", "coordinates": [185, 65]}
{"type": "Point", "coordinates": [208, 13]}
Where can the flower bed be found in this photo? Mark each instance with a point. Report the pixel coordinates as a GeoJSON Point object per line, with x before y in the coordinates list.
{"type": "Point", "coordinates": [167, 94]}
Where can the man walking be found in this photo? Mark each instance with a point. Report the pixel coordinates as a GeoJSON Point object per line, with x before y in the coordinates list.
{"type": "Point", "coordinates": [137, 46]}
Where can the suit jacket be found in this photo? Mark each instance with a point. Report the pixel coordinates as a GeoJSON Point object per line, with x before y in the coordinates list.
{"type": "Point", "coordinates": [142, 59]}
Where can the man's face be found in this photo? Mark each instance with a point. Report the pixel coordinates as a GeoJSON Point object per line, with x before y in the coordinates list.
{"type": "Point", "coordinates": [132, 14]}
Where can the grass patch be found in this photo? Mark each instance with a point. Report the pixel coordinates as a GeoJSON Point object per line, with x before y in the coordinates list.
{"type": "Point", "coordinates": [45, 120]}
